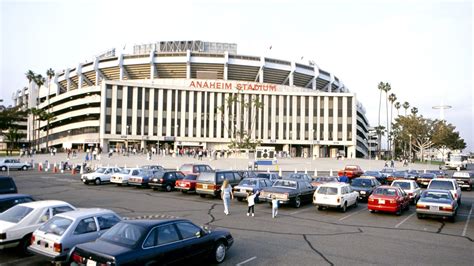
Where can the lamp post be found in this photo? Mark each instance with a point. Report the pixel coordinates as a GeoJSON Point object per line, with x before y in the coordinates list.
{"type": "Point", "coordinates": [126, 139]}
{"type": "Point", "coordinates": [409, 149]}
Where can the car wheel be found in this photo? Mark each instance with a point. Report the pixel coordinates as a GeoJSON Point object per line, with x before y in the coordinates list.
{"type": "Point", "coordinates": [297, 202]}
{"type": "Point", "coordinates": [219, 252]}
{"type": "Point", "coordinates": [184, 192]}
{"type": "Point", "coordinates": [344, 207]}
{"type": "Point", "coordinates": [399, 211]}
{"type": "Point", "coordinates": [356, 203]}
{"type": "Point", "coordinates": [24, 168]}
{"type": "Point", "coordinates": [4, 168]}
{"type": "Point", "coordinates": [24, 243]}
{"type": "Point", "coordinates": [419, 216]}
{"type": "Point", "coordinates": [372, 211]}
{"type": "Point", "coordinates": [168, 188]}
{"type": "Point", "coordinates": [240, 199]}
{"type": "Point", "coordinates": [97, 181]}
{"type": "Point", "coordinates": [320, 208]}
{"type": "Point", "coordinates": [202, 195]}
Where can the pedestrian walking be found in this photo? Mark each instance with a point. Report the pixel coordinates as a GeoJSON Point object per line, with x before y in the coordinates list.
{"type": "Point", "coordinates": [226, 195]}
{"type": "Point", "coordinates": [274, 206]}
{"type": "Point", "coordinates": [392, 163]}
{"type": "Point", "coordinates": [251, 202]}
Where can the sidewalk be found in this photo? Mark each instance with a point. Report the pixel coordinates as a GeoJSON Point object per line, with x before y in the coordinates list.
{"type": "Point", "coordinates": [285, 164]}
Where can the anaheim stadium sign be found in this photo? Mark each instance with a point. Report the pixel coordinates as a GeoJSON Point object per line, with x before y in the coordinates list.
{"type": "Point", "coordinates": [226, 85]}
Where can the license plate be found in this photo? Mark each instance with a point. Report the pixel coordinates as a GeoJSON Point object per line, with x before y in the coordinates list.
{"type": "Point", "coordinates": [91, 263]}
{"type": "Point", "coordinates": [242, 190]}
{"type": "Point", "coordinates": [434, 208]}
{"type": "Point", "coordinates": [182, 185]}
{"type": "Point", "coordinates": [204, 186]}
{"type": "Point", "coordinates": [381, 201]}
{"type": "Point", "coordinates": [362, 192]}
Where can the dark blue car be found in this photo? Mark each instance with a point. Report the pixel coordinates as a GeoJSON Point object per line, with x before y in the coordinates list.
{"type": "Point", "coordinates": [9, 200]}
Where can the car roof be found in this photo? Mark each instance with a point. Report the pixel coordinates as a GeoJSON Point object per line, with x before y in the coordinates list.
{"type": "Point", "coordinates": [14, 196]}
{"type": "Point", "coordinates": [366, 177]}
{"type": "Point", "coordinates": [43, 203]}
{"type": "Point", "coordinates": [445, 179]}
{"type": "Point", "coordinates": [334, 184]}
{"type": "Point", "coordinates": [83, 212]}
{"type": "Point", "coordinates": [255, 178]}
{"type": "Point", "coordinates": [402, 181]}
{"type": "Point", "coordinates": [437, 190]}
{"type": "Point", "coordinates": [6, 177]}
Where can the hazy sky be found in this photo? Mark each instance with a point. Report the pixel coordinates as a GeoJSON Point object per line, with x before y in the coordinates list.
{"type": "Point", "coordinates": [422, 48]}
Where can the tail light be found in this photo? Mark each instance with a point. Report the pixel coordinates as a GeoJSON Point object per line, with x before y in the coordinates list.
{"type": "Point", "coordinates": [33, 238]}
{"type": "Point", "coordinates": [217, 187]}
{"type": "Point", "coordinates": [371, 199]}
{"type": "Point", "coordinates": [57, 247]}
{"type": "Point", "coordinates": [77, 258]}
{"type": "Point", "coordinates": [392, 201]}
{"type": "Point", "coordinates": [286, 195]}
{"type": "Point", "coordinates": [161, 180]}
{"type": "Point", "coordinates": [421, 206]}
{"type": "Point", "coordinates": [410, 194]}
{"type": "Point", "coordinates": [338, 199]}
{"type": "Point", "coordinates": [447, 208]}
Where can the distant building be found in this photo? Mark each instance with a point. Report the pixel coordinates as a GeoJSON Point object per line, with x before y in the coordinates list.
{"type": "Point", "coordinates": [166, 94]}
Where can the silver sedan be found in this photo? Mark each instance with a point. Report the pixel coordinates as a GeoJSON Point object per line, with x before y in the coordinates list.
{"type": "Point", "coordinates": [437, 203]}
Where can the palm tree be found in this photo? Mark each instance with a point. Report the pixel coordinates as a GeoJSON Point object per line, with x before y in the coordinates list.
{"type": "Point", "coordinates": [39, 80]}
{"type": "Point", "coordinates": [414, 110]}
{"type": "Point", "coordinates": [406, 105]}
{"type": "Point", "coordinates": [35, 112]}
{"type": "Point", "coordinates": [49, 116]}
{"type": "Point", "coordinates": [380, 87]}
{"type": "Point", "coordinates": [397, 106]}
{"type": "Point", "coordinates": [379, 130]}
{"type": "Point", "coordinates": [387, 88]}
{"type": "Point", "coordinates": [392, 98]}
{"type": "Point", "coordinates": [30, 75]}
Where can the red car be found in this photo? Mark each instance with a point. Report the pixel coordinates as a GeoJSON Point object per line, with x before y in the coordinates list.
{"type": "Point", "coordinates": [351, 171]}
{"type": "Point", "coordinates": [388, 199]}
{"type": "Point", "coordinates": [187, 184]}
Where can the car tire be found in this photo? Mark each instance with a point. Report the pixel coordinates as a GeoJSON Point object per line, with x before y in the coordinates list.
{"type": "Point", "coordinates": [202, 195]}
{"type": "Point", "coordinates": [320, 208]}
{"type": "Point", "coordinates": [168, 188]}
{"type": "Point", "coordinates": [399, 211]}
{"type": "Point", "coordinates": [356, 203]}
{"type": "Point", "coordinates": [24, 168]}
{"type": "Point", "coordinates": [219, 252]}
{"type": "Point", "coordinates": [184, 192]}
{"type": "Point", "coordinates": [297, 202]}
{"type": "Point", "coordinates": [4, 168]}
{"type": "Point", "coordinates": [344, 207]}
{"type": "Point", "coordinates": [97, 181]}
{"type": "Point", "coordinates": [419, 216]}
{"type": "Point", "coordinates": [24, 243]}
{"type": "Point", "coordinates": [372, 211]}
{"type": "Point", "coordinates": [240, 199]}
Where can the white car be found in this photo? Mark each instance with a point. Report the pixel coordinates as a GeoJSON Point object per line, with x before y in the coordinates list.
{"type": "Point", "coordinates": [410, 187]}
{"type": "Point", "coordinates": [13, 164]}
{"type": "Point", "coordinates": [447, 184]}
{"type": "Point", "coordinates": [18, 222]}
{"type": "Point", "coordinates": [122, 177]}
{"type": "Point", "coordinates": [335, 195]}
{"type": "Point", "coordinates": [54, 239]}
{"type": "Point", "coordinates": [101, 175]}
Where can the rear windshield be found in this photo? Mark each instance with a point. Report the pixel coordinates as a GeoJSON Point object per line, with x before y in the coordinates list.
{"type": "Point", "coordinates": [248, 182]}
{"type": "Point", "coordinates": [326, 179]}
{"type": "Point", "coordinates": [100, 170]}
{"type": "Point", "coordinates": [15, 214]}
{"type": "Point", "coordinates": [385, 191]}
{"type": "Point", "coordinates": [57, 226]}
{"type": "Point", "coordinates": [285, 183]}
{"type": "Point", "coordinates": [438, 184]}
{"type": "Point", "coordinates": [190, 177]}
{"type": "Point", "coordinates": [372, 173]}
{"type": "Point", "coordinates": [263, 175]}
{"type": "Point", "coordinates": [208, 177]}
{"type": "Point", "coordinates": [327, 190]}
{"type": "Point", "coordinates": [125, 171]}
{"type": "Point", "coordinates": [402, 185]}
{"type": "Point", "coordinates": [361, 183]}
{"type": "Point", "coordinates": [5, 183]}
{"type": "Point", "coordinates": [436, 195]}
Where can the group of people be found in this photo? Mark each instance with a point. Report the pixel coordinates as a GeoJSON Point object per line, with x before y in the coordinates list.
{"type": "Point", "coordinates": [227, 195]}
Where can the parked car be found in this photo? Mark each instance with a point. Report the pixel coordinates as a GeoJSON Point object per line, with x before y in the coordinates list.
{"type": "Point", "coordinates": [9, 200]}
{"type": "Point", "coordinates": [323, 179]}
{"type": "Point", "coordinates": [100, 175]}
{"type": "Point", "coordinates": [9, 163]}
{"type": "Point", "coordinates": [410, 187]}
{"type": "Point", "coordinates": [250, 185]}
{"type": "Point", "coordinates": [187, 184]}
{"type": "Point", "coordinates": [300, 176]}
{"type": "Point", "coordinates": [351, 171]}
{"type": "Point", "coordinates": [388, 199]}
{"type": "Point", "coordinates": [464, 179]}
{"type": "Point", "coordinates": [18, 222]}
{"type": "Point", "coordinates": [247, 174]}
{"type": "Point", "coordinates": [364, 186]}
{"type": "Point", "coordinates": [55, 238]}
{"type": "Point", "coordinates": [144, 179]}
{"type": "Point", "coordinates": [439, 173]}
{"type": "Point", "coordinates": [154, 168]}
{"type": "Point", "coordinates": [335, 195]}
{"type": "Point", "coordinates": [270, 176]}
{"type": "Point", "coordinates": [437, 203]}
{"type": "Point", "coordinates": [7, 185]}
{"type": "Point", "coordinates": [166, 180]}
{"type": "Point", "coordinates": [289, 191]}
{"type": "Point", "coordinates": [425, 178]}
{"type": "Point", "coordinates": [123, 176]}
{"type": "Point", "coordinates": [378, 175]}
{"type": "Point", "coordinates": [387, 172]}
{"type": "Point", "coordinates": [148, 242]}
{"type": "Point", "coordinates": [195, 169]}
{"type": "Point", "coordinates": [209, 183]}
{"type": "Point", "coordinates": [447, 184]}
{"type": "Point", "coordinates": [413, 174]}
{"type": "Point", "coordinates": [398, 175]}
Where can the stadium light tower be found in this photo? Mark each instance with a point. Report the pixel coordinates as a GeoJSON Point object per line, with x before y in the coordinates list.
{"type": "Point", "coordinates": [441, 109]}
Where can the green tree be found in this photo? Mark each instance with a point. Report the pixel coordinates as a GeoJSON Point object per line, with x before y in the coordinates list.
{"type": "Point", "coordinates": [406, 105]}
{"type": "Point", "coordinates": [380, 131]}
{"type": "Point", "coordinates": [9, 118]}
{"type": "Point", "coordinates": [13, 137]}
{"type": "Point", "coordinates": [414, 111]}
{"type": "Point", "coordinates": [445, 137]}
{"type": "Point", "coordinates": [397, 106]}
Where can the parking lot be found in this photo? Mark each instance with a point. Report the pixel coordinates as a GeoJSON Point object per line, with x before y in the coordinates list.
{"type": "Point", "coordinates": [303, 236]}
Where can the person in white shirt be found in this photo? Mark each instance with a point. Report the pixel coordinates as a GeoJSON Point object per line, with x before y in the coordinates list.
{"type": "Point", "coordinates": [251, 202]}
{"type": "Point", "coordinates": [274, 206]}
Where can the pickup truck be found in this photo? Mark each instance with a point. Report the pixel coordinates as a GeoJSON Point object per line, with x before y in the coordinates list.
{"type": "Point", "coordinates": [464, 179]}
{"type": "Point", "coordinates": [351, 171]}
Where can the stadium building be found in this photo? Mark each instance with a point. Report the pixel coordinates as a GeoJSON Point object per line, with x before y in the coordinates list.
{"type": "Point", "coordinates": [175, 94]}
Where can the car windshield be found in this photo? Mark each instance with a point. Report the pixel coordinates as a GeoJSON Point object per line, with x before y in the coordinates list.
{"type": "Point", "coordinates": [263, 175]}
{"type": "Point", "coordinates": [296, 176]}
{"type": "Point", "coordinates": [402, 185]}
{"type": "Point", "coordinates": [57, 226]}
{"type": "Point", "coordinates": [285, 184]}
{"type": "Point", "coordinates": [15, 214]}
{"type": "Point", "coordinates": [385, 191]}
{"type": "Point", "coordinates": [361, 182]}
{"type": "Point", "coordinates": [436, 195]}
{"type": "Point", "coordinates": [438, 184]}
{"type": "Point", "coordinates": [125, 171]}
{"type": "Point", "coordinates": [248, 182]}
{"type": "Point", "coordinates": [327, 190]}
{"type": "Point", "coordinates": [208, 177]}
{"type": "Point", "coordinates": [351, 167]}
{"type": "Point", "coordinates": [124, 234]}
{"type": "Point", "coordinates": [100, 170]}
{"type": "Point", "coordinates": [385, 170]}
{"type": "Point", "coordinates": [326, 179]}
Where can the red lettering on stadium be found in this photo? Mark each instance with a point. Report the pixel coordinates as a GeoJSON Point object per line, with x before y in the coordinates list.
{"type": "Point", "coordinates": [230, 85]}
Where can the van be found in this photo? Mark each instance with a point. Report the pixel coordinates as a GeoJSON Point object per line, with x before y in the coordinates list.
{"type": "Point", "coordinates": [210, 183]}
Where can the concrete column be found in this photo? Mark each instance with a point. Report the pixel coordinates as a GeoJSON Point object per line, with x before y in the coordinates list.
{"type": "Point", "coordinates": [211, 114]}
{"type": "Point", "coordinates": [265, 117]}
{"type": "Point", "coordinates": [198, 114]}
{"type": "Point", "coordinates": [288, 128]}
{"type": "Point", "coordinates": [219, 116]}
{"type": "Point", "coordinates": [318, 118]}
{"type": "Point", "coordinates": [152, 64]}
{"type": "Point", "coordinates": [292, 73]}
{"type": "Point", "coordinates": [226, 67]}
{"type": "Point", "coordinates": [191, 115]}
{"type": "Point", "coordinates": [68, 80]}
{"type": "Point", "coordinates": [79, 76]}
{"type": "Point", "coordinates": [188, 64]}
{"type": "Point", "coordinates": [151, 112]}
{"type": "Point", "coordinates": [160, 125]}
{"type": "Point", "coordinates": [168, 112]}
{"type": "Point", "coordinates": [326, 118]}
{"type": "Point", "coordinates": [134, 111]}
{"type": "Point", "coordinates": [113, 113]}
{"type": "Point", "coordinates": [294, 121]}
{"type": "Point", "coordinates": [302, 117]}
{"type": "Point", "coordinates": [227, 126]}
{"type": "Point", "coordinates": [142, 126]}
{"type": "Point", "coordinates": [344, 118]}
{"type": "Point", "coordinates": [124, 110]}
{"type": "Point", "coordinates": [281, 128]}
{"type": "Point", "coordinates": [262, 67]}
{"type": "Point", "coordinates": [334, 117]}
{"type": "Point", "coordinates": [273, 118]}
{"type": "Point", "coordinates": [121, 69]}
{"type": "Point", "coordinates": [182, 126]}
{"type": "Point", "coordinates": [311, 118]}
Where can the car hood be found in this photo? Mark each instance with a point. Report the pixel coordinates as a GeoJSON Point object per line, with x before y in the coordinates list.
{"type": "Point", "coordinates": [103, 248]}
{"type": "Point", "coordinates": [4, 225]}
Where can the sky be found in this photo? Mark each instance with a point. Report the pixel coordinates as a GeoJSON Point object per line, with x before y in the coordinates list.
{"type": "Point", "coordinates": [422, 48]}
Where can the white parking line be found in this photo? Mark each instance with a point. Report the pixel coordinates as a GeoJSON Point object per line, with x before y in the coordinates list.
{"type": "Point", "coordinates": [354, 213]}
{"type": "Point", "coordinates": [467, 221]}
{"type": "Point", "coordinates": [299, 211]}
{"type": "Point", "coordinates": [245, 261]}
{"type": "Point", "coordinates": [404, 220]}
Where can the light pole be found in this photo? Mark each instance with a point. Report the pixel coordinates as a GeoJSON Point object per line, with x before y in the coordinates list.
{"type": "Point", "coordinates": [409, 149]}
{"type": "Point", "coordinates": [441, 109]}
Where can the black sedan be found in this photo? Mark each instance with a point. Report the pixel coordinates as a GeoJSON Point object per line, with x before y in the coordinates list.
{"type": "Point", "coordinates": [289, 191]}
{"type": "Point", "coordinates": [150, 242]}
{"type": "Point", "coordinates": [365, 186]}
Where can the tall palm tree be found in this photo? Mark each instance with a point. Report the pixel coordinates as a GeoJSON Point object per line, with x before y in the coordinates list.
{"type": "Point", "coordinates": [387, 88]}
{"type": "Point", "coordinates": [397, 106]}
{"type": "Point", "coordinates": [380, 87]}
{"type": "Point", "coordinates": [414, 110]}
{"type": "Point", "coordinates": [392, 98]}
{"type": "Point", "coordinates": [30, 75]}
{"type": "Point", "coordinates": [39, 80]}
{"type": "Point", "coordinates": [406, 105]}
{"type": "Point", "coordinates": [49, 116]}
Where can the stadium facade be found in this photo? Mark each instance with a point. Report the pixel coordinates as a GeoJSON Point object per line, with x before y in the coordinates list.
{"type": "Point", "coordinates": [169, 94]}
